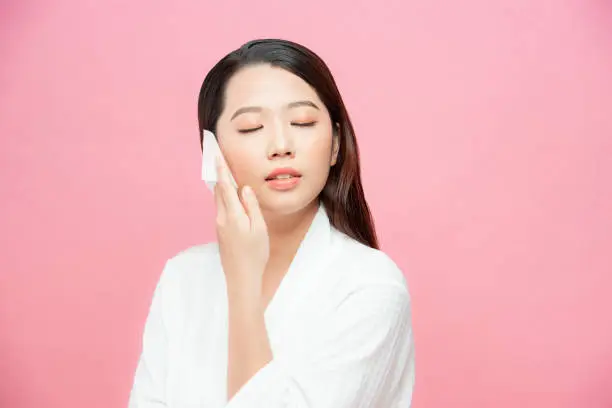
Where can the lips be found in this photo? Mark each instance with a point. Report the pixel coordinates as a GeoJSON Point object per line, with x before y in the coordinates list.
{"type": "Point", "coordinates": [283, 173]}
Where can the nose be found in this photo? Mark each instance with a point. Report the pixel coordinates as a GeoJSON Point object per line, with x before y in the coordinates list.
{"type": "Point", "coordinates": [281, 145]}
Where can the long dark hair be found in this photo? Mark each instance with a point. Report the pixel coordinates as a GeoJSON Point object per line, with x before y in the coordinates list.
{"type": "Point", "coordinates": [342, 195]}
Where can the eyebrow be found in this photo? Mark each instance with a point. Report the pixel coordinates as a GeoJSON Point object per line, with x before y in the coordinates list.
{"type": "Point", "coordinates": [291, 105]}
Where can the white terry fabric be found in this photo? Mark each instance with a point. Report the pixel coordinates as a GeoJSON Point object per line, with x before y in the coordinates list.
{"type": "Point", "coordinates": [339, 327]}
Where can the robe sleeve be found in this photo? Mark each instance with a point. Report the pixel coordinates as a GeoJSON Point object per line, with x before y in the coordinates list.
{"type": "Point", "coordinates": [361, 358]}
{"type": "Point", "coordinates": [149, 385]}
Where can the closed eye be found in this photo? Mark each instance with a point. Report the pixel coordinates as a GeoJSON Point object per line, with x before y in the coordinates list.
{"type": "Point", "coordinates": [251, 130]}
{"type": "Point", "coordinates": [304, 124]}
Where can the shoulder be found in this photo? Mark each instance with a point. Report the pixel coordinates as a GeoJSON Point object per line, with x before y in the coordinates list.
{"type": "Point", "coordinates": [188, 287]}
{"type": "Point", "coordinates": [373, 289]}
{"type": "Point", "coordinates": [366, 266]}
{"type": "Point", "coordinates": [195, 255]}
{"type": "Point", "coordinates": [192, 267]}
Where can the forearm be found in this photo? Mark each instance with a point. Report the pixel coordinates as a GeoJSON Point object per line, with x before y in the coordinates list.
{"type": "Point", "coordinates": [249, 348]}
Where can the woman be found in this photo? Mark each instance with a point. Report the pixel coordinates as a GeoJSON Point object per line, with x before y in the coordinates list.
{"type": "Point", "coordinates": [295, 306]}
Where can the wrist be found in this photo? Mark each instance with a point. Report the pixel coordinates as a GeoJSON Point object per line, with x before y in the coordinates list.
{"type": "Point", "coordinates": [244, 307]}
{"type": "Point", "coordinates": [244, 289]}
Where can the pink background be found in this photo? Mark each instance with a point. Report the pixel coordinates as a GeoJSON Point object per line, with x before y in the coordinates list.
{"type": "Point", "coordinates": [486, 137]}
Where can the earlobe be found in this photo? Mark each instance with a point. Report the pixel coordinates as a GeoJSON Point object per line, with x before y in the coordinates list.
{"type": "Point", "coordinates": [335, 144]}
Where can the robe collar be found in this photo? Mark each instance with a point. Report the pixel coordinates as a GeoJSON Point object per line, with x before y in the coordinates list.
{"type": "Point", "coordinates": [311, 257]}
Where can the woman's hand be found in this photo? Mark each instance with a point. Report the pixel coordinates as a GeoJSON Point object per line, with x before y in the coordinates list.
{"type": "Point", "coordinates": [242, 234]}
{"type": "Point", "coordinates": [244, 247]}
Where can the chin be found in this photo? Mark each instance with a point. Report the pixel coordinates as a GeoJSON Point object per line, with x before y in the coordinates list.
{"type": "Point", "coordinates": [286, 203]}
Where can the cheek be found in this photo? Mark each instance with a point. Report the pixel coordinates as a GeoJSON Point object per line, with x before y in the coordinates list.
{"type": "Point", "coordinates": [243, 164]}
{"type": "Point", "coordinates": [320, 150]}
{"type": "Point", "coordinates": [318, 155]}
{"type": "Point", "coordinates": [238, 156]}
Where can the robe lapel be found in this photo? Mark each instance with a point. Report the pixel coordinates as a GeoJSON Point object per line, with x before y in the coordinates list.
{"type": "Point", "coordinates": [311, 256]}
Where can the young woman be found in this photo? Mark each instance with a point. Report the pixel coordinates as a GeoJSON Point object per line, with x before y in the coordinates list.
{"type": "Point", "coordinates": [295, 306]}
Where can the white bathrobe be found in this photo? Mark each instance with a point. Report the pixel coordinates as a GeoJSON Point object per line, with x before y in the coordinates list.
{"type": "Point", "coordinates": [339, 327]}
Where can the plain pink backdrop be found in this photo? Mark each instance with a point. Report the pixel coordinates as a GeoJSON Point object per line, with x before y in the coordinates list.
{"type": "Point", "coordinates": [486, 138]}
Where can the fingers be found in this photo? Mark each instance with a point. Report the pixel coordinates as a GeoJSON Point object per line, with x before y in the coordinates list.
{"type": "Point", "coordinates": [228, 192]}
{"type": "Point", "coordinates": [230, 205]}
{"type": "Point", "coordinates": [252, 208]}
{"type": "Point", "coordinates": [221, 212]}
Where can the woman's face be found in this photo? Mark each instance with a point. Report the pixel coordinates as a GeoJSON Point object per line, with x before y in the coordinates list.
{"type": "Point", "coordinates": [277, 137]}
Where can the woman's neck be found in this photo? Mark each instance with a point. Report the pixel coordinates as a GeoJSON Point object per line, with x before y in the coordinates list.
{"type": "Point", "coordinates": [286, 233]}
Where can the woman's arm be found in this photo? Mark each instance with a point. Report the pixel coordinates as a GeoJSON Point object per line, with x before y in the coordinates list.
{"type": "Point", "coordinates": [249, 348]}
{"type": "Point", "coordinates": [244, 249]}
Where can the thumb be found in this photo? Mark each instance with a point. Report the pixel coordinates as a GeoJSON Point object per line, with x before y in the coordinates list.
{"type": "Point", "coordinates": [252, 207]}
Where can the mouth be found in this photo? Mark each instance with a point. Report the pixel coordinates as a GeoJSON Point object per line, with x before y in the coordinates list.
{"type": "Point", "coordinates": [283, 174]}
{"type": "Point", "coordinates": [283, 179]}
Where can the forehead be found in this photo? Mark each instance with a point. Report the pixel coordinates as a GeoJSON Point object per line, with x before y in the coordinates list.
{"type": "Point", "coordinates": [266, 86]}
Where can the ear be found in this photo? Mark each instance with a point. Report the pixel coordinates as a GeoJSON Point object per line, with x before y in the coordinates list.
{"type": "Point", "coordinates": [335, 144]}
